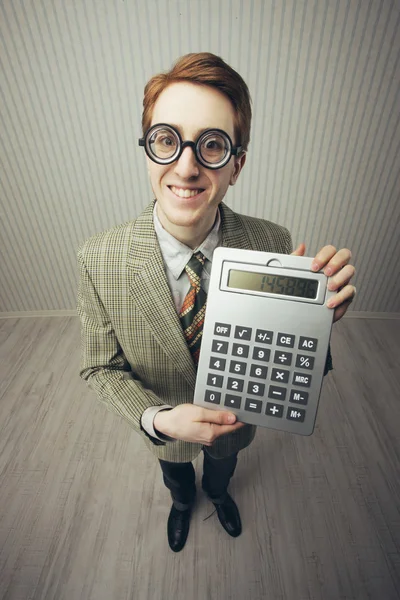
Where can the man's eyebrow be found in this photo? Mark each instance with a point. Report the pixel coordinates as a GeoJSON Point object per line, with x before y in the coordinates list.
{"type": "Point", "coordinates": [196, 134]}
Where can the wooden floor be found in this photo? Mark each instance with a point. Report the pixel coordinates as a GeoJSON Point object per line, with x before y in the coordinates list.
{"type": "Point", "coordinates": [83, 509]}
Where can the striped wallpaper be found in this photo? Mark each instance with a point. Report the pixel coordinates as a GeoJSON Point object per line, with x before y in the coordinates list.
{"type": "Point", "coordinates": [324, 157]}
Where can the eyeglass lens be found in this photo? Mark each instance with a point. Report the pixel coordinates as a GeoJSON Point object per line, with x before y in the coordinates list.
{"type": "Point", "coordinates": [164, 144]}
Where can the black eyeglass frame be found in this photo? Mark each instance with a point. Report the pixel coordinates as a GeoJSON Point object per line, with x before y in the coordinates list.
{"type": "Point", "coordinates": [232, 150]}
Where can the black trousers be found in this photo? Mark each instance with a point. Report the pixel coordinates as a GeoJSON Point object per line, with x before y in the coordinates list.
{"type": "Point", "coordinates": [179, 478]}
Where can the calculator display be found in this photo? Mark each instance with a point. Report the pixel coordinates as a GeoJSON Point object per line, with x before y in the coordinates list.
{"type": "Point", "coordinates": [273, 284]}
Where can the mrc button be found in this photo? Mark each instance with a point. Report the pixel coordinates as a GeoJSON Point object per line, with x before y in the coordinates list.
{"type": "Point", "coordinates": [301, 379]}
{"type": "Point", "coordinates": [308, 344]}
{"type": "Point", "coordinates": [285, 339]}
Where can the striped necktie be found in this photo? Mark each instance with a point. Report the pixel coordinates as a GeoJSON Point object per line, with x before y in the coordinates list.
{"type": "Point", "coordinates": [194, 306]}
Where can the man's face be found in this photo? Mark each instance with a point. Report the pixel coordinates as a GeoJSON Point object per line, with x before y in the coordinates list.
{"type": "Point", "coordinates": [191, 109]}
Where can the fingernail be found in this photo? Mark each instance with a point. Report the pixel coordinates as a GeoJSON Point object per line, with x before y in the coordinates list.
{"type": "Point", "coordinates": [314, 266]}
{"type": "Point", "coordinates": [330, 304]}
{"type": "Point", "coordinates": [231, 418]}
{"type": "Point", "coordinates": [328, 271]}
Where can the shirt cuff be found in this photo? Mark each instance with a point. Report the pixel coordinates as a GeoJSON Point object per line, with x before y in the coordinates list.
{"type": "Point", "coordinates": [147, 422]}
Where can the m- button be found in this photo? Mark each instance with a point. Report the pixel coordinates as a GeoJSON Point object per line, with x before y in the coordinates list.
{"type": "Point", "coordinates": [285, 339]}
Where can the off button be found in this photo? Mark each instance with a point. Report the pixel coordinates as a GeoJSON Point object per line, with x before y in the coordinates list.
{"type": "Point", "coordinates": [222, 329]}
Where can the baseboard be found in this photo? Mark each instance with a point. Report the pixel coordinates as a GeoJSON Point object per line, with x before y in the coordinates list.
{"type": "Point", "coordinates": [72, 313]}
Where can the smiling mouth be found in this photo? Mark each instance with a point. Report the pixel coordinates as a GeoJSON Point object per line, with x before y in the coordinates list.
{"type": "Point", "coordinates": [185, 192]}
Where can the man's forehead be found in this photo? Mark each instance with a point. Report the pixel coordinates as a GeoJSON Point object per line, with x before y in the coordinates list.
{"type": "Point", "coordinates": [192, 109]}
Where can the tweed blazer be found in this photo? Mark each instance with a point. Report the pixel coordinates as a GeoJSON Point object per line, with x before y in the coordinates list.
{"type": "Point", "coordinates": [133, 352]}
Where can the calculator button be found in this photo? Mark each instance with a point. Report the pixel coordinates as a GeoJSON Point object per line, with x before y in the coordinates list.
{"type": "Point", "coordinates": [215, 380]}
{"type": "Point", "coordinates": [296, 414]}
{"type": "Point", "coordinates": [308, 344]}
{"type": "Point", "coordinates": [298, 397]}
{"type": "Point", "coordinates": [283, 358]}
{"type": "Point", "coordinates": [302, 379]}
{"type": "Point", "coordinates": [255, 388]}
{"type": "Point", "coordinates": [253, 405]}
{"type": "Point", "coordinates": [274, 410]}
{"type": "Point", "coordinates": [235, 384]}
{"type": "Point", "coordinates": [305, 362]}
{"type": "Point", "coordinates": [276, 392]}
{"type": "Point", "coordinates": [261, 354]}
{"type": "Point", "coordinates": [243, 333]}
{"type": "Point", "coordinates": [280, 375]}
{"type": "Point", "coordinates": [240, 350]}
{"type": "Point", "coordinates": [220, 347]}
{"type": "Point", "coordinates": [237, 367]}
{"type": "Point", "coordinates": [263, 336]}
{"type": "Point", "coordinates": [222, 329]}
{"type": "Point", "coordinates": [217, 364]}
{"type": "Point", "coordinates": [258, 371]}
{"type": "Point", "coordinates": [285, 339]}
{"type": "Point", "coordinates": [211, 396]}
{"type": "Point", "coordinates": [232, 401]}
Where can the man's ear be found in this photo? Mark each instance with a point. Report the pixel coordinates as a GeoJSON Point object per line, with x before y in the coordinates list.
{"type": "Point", "coordinates": [239, 164]}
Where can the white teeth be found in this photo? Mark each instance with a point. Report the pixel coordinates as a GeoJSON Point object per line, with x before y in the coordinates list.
{"type": "Point", "coordinates": [184, 193]}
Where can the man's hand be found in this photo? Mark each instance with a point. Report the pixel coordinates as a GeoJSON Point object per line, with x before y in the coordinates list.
{"type": "Point", "coordinates": [335, 265]}
{"type": "Point", "coordinates": [192, 423]}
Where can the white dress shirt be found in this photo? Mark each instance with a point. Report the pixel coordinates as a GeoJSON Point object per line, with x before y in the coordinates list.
{"type": "Point", "coordinates": [176, 256]}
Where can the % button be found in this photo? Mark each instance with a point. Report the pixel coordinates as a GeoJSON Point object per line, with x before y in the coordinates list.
{"type": "Point", "coordinates": [304, 362]}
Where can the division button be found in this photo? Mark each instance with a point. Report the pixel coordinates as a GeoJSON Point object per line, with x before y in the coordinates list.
{"type": "Point", "coordinates": [243, 333]}
{"type": "Point", "coordinates": [305, 362]}
{"type": "Point", "coordinates": [274, 410]}
{"type": "Point", "coordinates": [263, 336]}
{"type": "Point", "coordinates": [283, 358]}
{"type": "Point", "coordinates": [302, 379]}
{"type": "Point", "coordinates": [280, 375]}
{"type": "Point", "coordinates": [285, 339]}
{"type": "Point", "coordinates": [232, 401]}
{"type": "Point", "coordinates": [222, 329]}
{"type": "Point", "coordinates": [276, 393]}
{"type": "Point", "coordinates": [296, 414]}
{"type": "Point", "coordinates": [213, 397]}
{"type": "Point", "coordinates": [308, 344]}
{"type": "Point", "coordinates": [253, 405]}
{"type": "Point", "coordinates": [298, 397]}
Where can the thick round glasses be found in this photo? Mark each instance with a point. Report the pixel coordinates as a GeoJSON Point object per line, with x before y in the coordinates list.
{"type": "Point", "coordinates": [213, 148]}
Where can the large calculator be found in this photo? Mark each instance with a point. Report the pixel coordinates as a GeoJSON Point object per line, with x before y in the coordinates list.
{"type": "Point", "coordinates": [265, 339]}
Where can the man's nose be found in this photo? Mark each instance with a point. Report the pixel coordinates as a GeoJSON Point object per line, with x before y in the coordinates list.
{"type": "Point", "coordinates": [187, 166]}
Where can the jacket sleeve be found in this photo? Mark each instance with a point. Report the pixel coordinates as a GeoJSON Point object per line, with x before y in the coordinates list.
{"type": "Point", "coordinates": [103, 364]}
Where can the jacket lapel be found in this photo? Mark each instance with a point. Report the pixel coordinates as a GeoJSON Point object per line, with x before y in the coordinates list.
{"type": "Point", "coordinates": [150, 292]}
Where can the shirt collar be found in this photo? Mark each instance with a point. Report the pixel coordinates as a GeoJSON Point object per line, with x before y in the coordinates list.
{"type": "Point", "coordinates": [175, 254]}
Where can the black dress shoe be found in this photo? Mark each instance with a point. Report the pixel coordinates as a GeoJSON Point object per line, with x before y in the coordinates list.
{"type": "Point", "coordinates": [228, 515]}
{"type": "Point", "coordinates": [178, 528]}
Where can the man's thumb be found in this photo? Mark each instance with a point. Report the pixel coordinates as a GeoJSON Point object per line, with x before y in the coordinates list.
{"type": "Point", "coordinates": [300, 250]}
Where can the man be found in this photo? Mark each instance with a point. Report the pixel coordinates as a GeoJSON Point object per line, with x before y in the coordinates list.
{"type": "Point", "coordinates": [139, 350]}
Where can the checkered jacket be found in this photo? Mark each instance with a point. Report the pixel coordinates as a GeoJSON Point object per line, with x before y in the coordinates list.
{"type": "Point", "coordinates": [133, 353]}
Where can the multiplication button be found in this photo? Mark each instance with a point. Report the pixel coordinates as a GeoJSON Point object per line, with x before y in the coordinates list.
{"type": "Point", "coordinates": [222, 329]}
{"type": "Point", "coordinates": [263, 336]}
{"type": "Point", "coordinates": [280, 375]}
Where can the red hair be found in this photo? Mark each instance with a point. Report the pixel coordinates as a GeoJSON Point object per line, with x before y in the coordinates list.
{"type": "Point", "coordinates": [204, 68]}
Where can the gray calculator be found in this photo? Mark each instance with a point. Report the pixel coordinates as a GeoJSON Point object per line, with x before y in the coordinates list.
{"type": "Point", "coordinates": [265, 339]}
